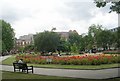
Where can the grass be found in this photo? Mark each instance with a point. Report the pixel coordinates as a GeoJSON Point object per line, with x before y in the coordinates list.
{"type": "Point", "coordinates": [32, 77]}
{"type": "Point", "coordinates": [84, 67]}
{"type": "Point", "coordinates": [11, 59]}
{"type": "Point", "coordinates": [20, 75]}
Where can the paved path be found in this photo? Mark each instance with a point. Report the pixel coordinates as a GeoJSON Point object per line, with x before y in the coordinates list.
{"type": "Point", "coordinates": [4, 57]}
{"type": "Point", "coordinates": [89, 74]}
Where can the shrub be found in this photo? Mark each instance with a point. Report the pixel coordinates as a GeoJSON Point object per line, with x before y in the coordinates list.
{"type": "Point", "coordinates": [71, 60]}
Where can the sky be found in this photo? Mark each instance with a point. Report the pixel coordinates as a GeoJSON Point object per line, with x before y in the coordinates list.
{"type": "Point", "coordinates": [32, 16]}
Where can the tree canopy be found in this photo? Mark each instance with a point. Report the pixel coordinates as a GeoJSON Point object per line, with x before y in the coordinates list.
{"type": "Point", "coordinates": [114, 5]}
{"type": "Point", "coordinates": [118, 37]}
{"type": "Point", "coordinates": [7, 36]}
{"type": "Point", "coordinates": [47, 41]}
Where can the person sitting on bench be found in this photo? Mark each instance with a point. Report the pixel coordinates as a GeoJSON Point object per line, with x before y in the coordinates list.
{"type": "Point", "coordinates": [20, 61]}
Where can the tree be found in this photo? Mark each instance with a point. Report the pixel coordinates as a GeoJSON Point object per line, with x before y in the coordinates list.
{"type": "Point", "coordinates": [64, 46]}
{"type": "Point", "coordinates": [74, 40]}
{"type": "Point", "coordinates": [21, 49]}
{"type": "Point", "coordinates": [1, 30]}
{"type": "Point", "coordinates": [0, 46]}
{"type": "Point", "coordinates": [29, 48]}
{"type": "Point", "coordinates": [53, 29]}
{"type": "Point", "coordinates": [105, 39]}
{"type": "Point", "coordinates": [7, 36]}
{"type": "Point", "coordinates": [115, 5]}
{"type": "Point", "coordinates": [47, 41]}
{"type": "Point", "coordinates": [93, 32]}
{"type": "Point", "coordinates": [74, 48]}
{"type": "Point", "coordinates": [85, 43]}
{"type": "Point", "coordinates": [118, 37]}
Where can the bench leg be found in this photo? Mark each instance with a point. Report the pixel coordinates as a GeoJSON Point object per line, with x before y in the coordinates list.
{"type": "Point", "coordinates": [14, 70]}
{"type": "Point", "coordinates": [32, 70]}
{"type": "Point", "coordinates": [27, 71]}
{"type": "Point", "coordinates": [22, 70]}
{"type": "Point", "coordinates": [19, 70]}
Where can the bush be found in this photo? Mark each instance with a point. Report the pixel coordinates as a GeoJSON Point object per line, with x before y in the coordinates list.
{"type": "Point", "coordinates": [71, 60]}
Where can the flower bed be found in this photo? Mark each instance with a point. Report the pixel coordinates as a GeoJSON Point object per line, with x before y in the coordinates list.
{"type": "Point", "coordinates": [112, 52]}
{"type": "Point", "coordinates": [71, 60]}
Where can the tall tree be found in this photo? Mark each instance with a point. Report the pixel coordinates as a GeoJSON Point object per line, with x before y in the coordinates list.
{"type": "Point", "coordinates": [64, 46]}
{"type": "Point", "coordinates": [93, 33]}
{"type": "Point", "coordinates": [1, 30]}
{"type": "Point", "coordinates": [53, 29]}
{"type": "Point", "coordinates": [114, 5]}
{"type": "Point", "coordinates": [118, 37]}
{"type": "Point", "coordinates": [47, 41]}
{"type": "Point", "coordinates": [85, 43]}
{"type": "Point", "coordinates": [7, 36]}
{"type": "Point", "coordinates": [74, 40]}
{"type": "Point", "coordinates": [0, 46]}
{"type": "Point", "coordinates": [105, 39]}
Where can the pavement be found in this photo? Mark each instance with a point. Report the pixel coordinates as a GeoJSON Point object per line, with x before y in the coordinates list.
{"type": "Point", "coordinates": [4, 57]}
{"type": "Point", "coordinates": [87, 74]}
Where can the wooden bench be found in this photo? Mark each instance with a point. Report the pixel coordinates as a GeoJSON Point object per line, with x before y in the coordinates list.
{"type": "Point", "coordinates": [22, 66]}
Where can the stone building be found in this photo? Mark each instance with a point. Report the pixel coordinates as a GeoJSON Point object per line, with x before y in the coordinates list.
{"type": "Point", "coordinates": [25, 40]}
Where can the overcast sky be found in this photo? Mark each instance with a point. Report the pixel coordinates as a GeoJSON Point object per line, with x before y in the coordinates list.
{"type": "Point", "coordinates": [31, 16]}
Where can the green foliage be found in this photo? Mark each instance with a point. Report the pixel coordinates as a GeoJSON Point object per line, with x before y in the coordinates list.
{"type": "Point", "coordinates": [64, 46]}
{"type": "Point", "coordinates": [118, 38]}
{"type": "Point", "coordinates": [105, 39]}
{"type": "Point", "coordinates": [74, 48]}
{"type": "Point", "coordinates": [3, 47]}
{"type": "Point", "coordinates": [72, 60]}
{"type": "Point", "coordinates": [47, 41]}
{"type": "Point", "coordinates": [29, 48]}
{"type": "Point", "coordinates": [101, 38]}
{"type": "Point", "coordinates": [0, 30]}
{"type": "Point", "coordinates": [7, 36]}
{"type": "Point", "coordinates": [69, 65]}
{"type": "Point", "coordinates": [114, 5]}
{"type": "Point", "coordinates": [21, 49]}
{"type": "Point", "coordinates": [87, 41]}
{"type": "Point", "coordinates": [74, 41]}
{"type": "Point", "coordinates": [20, 76]}
{"type": "Point", "coordinates": [0, 46]}
{"type": "Point", "coordinates": [74, 38]}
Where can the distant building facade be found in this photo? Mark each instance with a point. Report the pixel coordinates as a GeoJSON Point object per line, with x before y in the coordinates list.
{"type": "Point", "coordinates": [29, 39]}
{"type": "Point", "coordinates": [25, 40]}
{"type": "Point", "coordinates": [65, 35]}
{"type": "Point", "coordinates": [114, 29]}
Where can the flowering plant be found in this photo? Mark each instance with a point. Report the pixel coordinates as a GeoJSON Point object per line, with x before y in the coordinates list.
{"type": "Point", "coordinates": [71, 60]}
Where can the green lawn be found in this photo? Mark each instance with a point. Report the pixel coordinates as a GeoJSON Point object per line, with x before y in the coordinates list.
{"type": "Point", "coordinates": [20, 75]}
{"type": "Point", "coordinates": [10, 60]}
{"type": "Point", "coordinates": [32, 77]}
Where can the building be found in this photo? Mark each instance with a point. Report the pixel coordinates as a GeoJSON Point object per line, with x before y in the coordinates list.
{"type": "Point", "coordinates": [114, 29]}
{"type": "Point", "coordinates": [64, 35]}
{"type": "Point", "coordinates": [29, 39]}
{"type": "Point", "coordinates": [25, 40]}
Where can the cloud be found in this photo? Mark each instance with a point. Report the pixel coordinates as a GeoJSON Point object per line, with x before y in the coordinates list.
{"type": "Point", "coordinates": [75, 10]}
{"type": "Point", "coordinates": [108, 20]}
{"type": "Point", "coordinates": [31, 16]}
{"type": "Point", "coordinates": [12, 11]}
